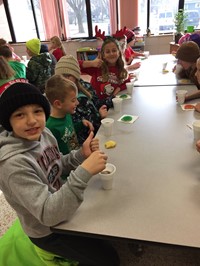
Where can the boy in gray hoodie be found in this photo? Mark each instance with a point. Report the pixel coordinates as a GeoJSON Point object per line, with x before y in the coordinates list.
{"type": "Point", "coordinates": [31, 166]}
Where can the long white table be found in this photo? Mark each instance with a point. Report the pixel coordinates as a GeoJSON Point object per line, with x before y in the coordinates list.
{"type": "Point", "coordinates": [151, 74]}
{"type": "Point", "coordinates": [156, 194]}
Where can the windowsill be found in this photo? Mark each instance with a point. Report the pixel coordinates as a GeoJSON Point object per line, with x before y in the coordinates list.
{"type": "Point", "coordinates": [160, 35]}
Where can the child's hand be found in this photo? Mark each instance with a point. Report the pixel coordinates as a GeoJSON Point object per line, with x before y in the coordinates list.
{"type": "Point", "coordinates": [97, 62]}
{"type": "Point", "coordinates": [94, 145]}
{"type": "Point", "coordinates": [90, 145]}
{"type": "Point", "coordinates": [95, 163]}
{"type": "Point", "coordinates": [103, 111]}
{"type": "Point", "coordinates": [132, 75]}
{"type": "Point", "coordinates": [198, 145]}
{"type": "Point", "coordinates": [197, 107]}
{"type": "Point", "coordinates": [116, 91]}
{"type": "Point", "coordinates": [135, 66]}
{"type": "Point", "coordinates": [88, 124]}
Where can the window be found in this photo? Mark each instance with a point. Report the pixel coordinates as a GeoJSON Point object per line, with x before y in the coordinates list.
{"type": "Point", "coordinates": [193, 13]}
{"type": "Point", "coordinates": [4, 29]}
{"type": "Point", "coordinates": [79, 17]}
{"type": "Point", "coordinates": [162, 18]}
{"type": "Point", "coordinates": [43, 19]}
{"type": "Point", "coordinates": [158, 15]}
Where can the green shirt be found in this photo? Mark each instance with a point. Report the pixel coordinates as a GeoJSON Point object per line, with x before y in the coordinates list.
{"type": "Point", "coordinates": [19, 68]}
{"type": "Point", "coordinates": [64, 131]}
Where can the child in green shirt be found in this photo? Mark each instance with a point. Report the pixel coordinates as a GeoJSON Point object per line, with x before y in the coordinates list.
{"type": "Point", "coordinates": [62, 95]}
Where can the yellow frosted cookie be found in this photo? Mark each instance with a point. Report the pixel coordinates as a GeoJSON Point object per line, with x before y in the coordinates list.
{"type": "Point", "coordinates": [110, 144]}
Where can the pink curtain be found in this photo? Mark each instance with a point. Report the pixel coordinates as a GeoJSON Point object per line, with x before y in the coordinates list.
{"type": "Point", "coordinates": [113, 16]}
{"type": "Point", "coordinates": [54, 18]}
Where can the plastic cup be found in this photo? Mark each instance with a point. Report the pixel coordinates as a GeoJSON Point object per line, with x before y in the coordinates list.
{"type": "Point", "coordinates": [129, 86]}
{"type": "Point", "coordinates": [117, 104]}
{"type": "Point", "coordinates": [107, 176]}
{"type": "Point", "coordinates": [196, 129]}
{"type": "Point", "coordinates": [164, 65]}
{"type": "Point", "coordinates": [107, 124]}
{"type": "Point", "coordinates": [181, 96]}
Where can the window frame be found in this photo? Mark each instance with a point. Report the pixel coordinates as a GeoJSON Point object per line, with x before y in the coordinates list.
{"type": "Point", "coordinates": [88, 12]}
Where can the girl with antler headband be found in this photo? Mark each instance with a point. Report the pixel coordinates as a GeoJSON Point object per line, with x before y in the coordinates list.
{"type": "Point", "coordinates": [126, 39]}
{"type": "Point", "coordinates": [109, 75]}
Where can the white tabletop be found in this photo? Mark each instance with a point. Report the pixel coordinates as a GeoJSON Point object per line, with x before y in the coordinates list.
{"type": "Point", "coordinates": [151, 73]}
{"type": "Point", "coordinates": [156, 194]}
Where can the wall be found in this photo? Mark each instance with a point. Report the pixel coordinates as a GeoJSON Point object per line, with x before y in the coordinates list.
{"type": "Point", "coordinates": [158, 44]}
{"type": "Point", "coordinates": [70, 46]}
{"type": "Point", "coordinates": [153, 44]}
{"type": "Point", "coordinates": [128, 17]}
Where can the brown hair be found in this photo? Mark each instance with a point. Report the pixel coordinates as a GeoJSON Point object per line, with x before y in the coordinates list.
{"type": "Point", "coordinates": [58, 87]}
{"type": "Point", "coordinates": [5, 52]}
{"type": "Point", "coordinates": [6, 72]}
{"type": "Point", "coordinates": [3, 42]}
{"type": "Point", "coordinates": [80, 87]}
{"type": "Point", "coordinates": [123, 73]}
{"type": "Point", "coordinates": [57, 41]}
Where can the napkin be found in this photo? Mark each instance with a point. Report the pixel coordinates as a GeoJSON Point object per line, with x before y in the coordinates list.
{"type": "Point", "coordinates": [128, 119]}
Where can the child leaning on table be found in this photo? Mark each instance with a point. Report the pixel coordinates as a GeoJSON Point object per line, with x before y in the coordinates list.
{"type": "Point", "coordinates": [109, 75]}
{"type": "Point", "coordinates": [31, 165]}
{"type": "Point", "coordinates": [127, 51]}
{"type": "Point", "coordinates": [62, 95]}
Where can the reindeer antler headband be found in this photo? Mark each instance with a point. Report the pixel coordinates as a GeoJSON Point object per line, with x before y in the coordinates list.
{"type": "Point", "coordinates": [99, 34]}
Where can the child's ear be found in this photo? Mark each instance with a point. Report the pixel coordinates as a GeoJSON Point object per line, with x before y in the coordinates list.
{"type": "Point", "coordinates": [57, 104]}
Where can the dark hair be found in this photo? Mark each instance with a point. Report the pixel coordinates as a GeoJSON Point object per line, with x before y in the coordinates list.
{"type": "Point", "coordinates": [44, 48]}
{"type": "Point", "coordinates": [5, 51]}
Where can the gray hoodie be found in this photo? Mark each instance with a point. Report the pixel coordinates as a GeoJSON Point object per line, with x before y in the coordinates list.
{"type": "Point", "coordinates": [31, 183]}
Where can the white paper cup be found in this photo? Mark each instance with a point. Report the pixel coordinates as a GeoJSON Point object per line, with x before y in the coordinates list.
{"type": "Point", "coordinates": [107, 124]}
{"type": "Point", "coordinates": [117, 104]}
{"type": "Point", "coordinates": [181, 96]}
{"type": "Point", "coordinates": [137, 73]}
{"type": "Point", "coordinates": [24, 57]}
{"type": "Point", "coordinates": [164, 65]}
{"type": "Point", "coordinates": [146, 54]}
{"type": "Point", "coordinates": [107, 176]}
{"type": "Point", "coordinates": [129, 86]}
{"type": "Point", "coordinates": [196, 129]}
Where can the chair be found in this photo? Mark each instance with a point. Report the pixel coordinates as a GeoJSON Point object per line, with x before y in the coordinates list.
{"type": "Point", "coordinates": [51, 259]}
{"type": "Point", "coordinates": [17, 249]}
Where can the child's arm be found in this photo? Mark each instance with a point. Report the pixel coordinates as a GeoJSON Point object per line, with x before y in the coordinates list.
{"type": "Point", "coordinates": [95, 163]}
{"type": "Point", "coordinates": [103, 111]}
{"type": "Point", "coordinates": [88, 124]}
{"type": "Point", "coordinates": [91, 63]}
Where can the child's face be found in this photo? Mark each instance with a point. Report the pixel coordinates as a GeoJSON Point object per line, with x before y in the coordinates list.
{"type": "Point", "coordinates": [111, 53]}
{"type": "Point", "coordinates": [68, 106]}
{"type": "Point", "coordinates": [185, 64]}
{"type": "Point", "coordinates": [28, 122]}
{"type": "Point", "coordinates": [197, 74]}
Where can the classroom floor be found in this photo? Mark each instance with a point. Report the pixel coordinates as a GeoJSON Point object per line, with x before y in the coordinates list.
{"type": "Point", "coordinates": [151, 255]}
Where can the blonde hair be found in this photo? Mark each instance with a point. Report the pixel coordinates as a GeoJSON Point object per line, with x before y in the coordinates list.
{"type": "Point", "coordinates": [58, 87]}
{"type": "Point", "coordinates": [122, 72]}
{"type": "Point", "coordinates": [58, 43]}
{"type": "Point", "coordinates": [80, 87]}
{"type": "Point", "coordinates": [6, 72]}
